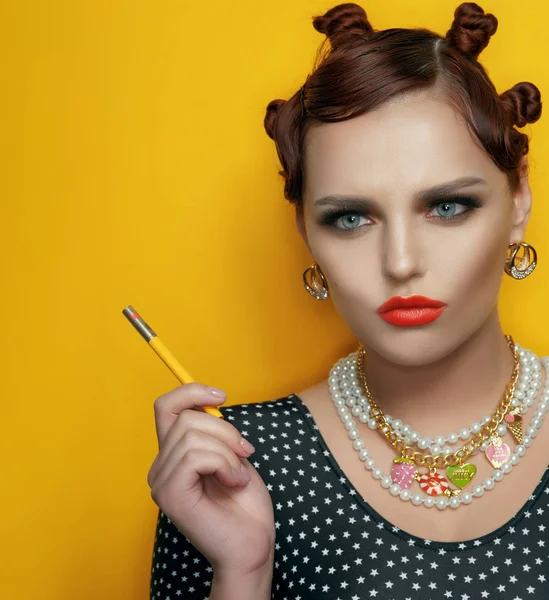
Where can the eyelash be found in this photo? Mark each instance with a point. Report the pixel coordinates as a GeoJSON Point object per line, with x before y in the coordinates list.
{"type": "Point", "coordinates": [331, 216]}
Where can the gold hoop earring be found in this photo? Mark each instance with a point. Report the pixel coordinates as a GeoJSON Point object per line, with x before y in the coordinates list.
{"type": "Point", "coordinates": [526, 263]}
{"type": "Point", "coordinates": [316, 289]}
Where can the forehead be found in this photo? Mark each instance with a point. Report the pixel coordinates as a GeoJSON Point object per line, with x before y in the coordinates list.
{"type": "Point", "coordinates": [407, 144]}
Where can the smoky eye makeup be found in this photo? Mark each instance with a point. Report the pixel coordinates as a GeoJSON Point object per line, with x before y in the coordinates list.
{"type": "Point", "coordinates": [470, 202]}
{"type": "Point", "coordinates": [330, 216]}
{"type": "Point", "coordinates": [345, 207]}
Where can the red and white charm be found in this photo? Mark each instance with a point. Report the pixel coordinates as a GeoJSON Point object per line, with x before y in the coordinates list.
{"type": "Point", "coordinates": [433, 484]}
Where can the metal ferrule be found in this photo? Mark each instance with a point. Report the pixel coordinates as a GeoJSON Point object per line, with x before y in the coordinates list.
{"type": "Point", "coordinates": [144, 330]}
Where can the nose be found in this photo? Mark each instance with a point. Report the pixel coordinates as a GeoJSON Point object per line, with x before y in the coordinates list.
{"type": "Point", "coordinates": [400, 251]}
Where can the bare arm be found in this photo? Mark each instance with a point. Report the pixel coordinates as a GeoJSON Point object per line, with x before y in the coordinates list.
{"type": "Point", "coordinates": [253, 586]}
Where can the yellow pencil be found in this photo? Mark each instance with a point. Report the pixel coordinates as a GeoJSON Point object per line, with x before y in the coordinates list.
{"type": "Point", "coordinates": [167, 357]}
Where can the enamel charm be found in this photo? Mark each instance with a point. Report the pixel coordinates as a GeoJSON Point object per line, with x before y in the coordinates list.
{"type": "Point", "coordinates": [403, 472]}
{"type": "Point", "coordinates": [461, 475]}
{"type": "Point", "coordinates": [433, 484]}
{"type": "Point", "coordinates": [514, 423]}
{"type": "Point", "coordinates": [498, 452]}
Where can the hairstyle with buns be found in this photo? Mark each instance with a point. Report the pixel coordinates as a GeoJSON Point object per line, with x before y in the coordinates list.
{"type": "Point", "coordinates": [359, 68]}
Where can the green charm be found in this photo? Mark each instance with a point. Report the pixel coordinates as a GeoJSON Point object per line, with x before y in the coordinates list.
{"type": "Point", "coordinates": [461, 475]}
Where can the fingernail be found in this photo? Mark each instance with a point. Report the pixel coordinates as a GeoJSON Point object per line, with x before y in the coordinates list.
{"type": "Point", "coordinates": [216, 392]}
{"type": "Point", "coordinates": [240, 475]}
{"type": "Point", "coordinates": [244, 473]}
{"type": "Point", "coordinates": [246, 445]}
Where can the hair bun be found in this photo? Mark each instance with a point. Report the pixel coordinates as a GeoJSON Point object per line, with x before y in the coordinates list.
{"type": "Point", "coordinates": [523, 103]}
{"type": "Point", "coordinates": [343, 22]}
{"type": "Point", "coordinates": [471, 29]}
{"type": "Point", "coordinates": [271, 116]}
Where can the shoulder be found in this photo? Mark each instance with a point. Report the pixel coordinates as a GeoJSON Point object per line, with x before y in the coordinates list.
{"type": "Point", "coordinates": [266, 424]}
{"type": "Point", "coordinates": [294, 403]}
{"type": "Point", "coordinates": [258, 412]}
{"type": "Point", "coordinates": [315, 395]}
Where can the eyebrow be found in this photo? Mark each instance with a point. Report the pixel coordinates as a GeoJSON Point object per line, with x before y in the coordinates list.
{"type": "Point", "coordinates": [428, 194]}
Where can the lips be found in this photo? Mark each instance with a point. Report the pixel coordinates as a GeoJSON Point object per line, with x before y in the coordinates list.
{"type": "Point", "coordinates": [410, 311]}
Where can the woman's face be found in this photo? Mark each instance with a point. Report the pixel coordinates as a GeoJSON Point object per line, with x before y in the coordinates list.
{"type": "Point", "coordinates": [421, 209]}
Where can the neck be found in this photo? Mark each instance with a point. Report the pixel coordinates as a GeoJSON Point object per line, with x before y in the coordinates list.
{"type": "Point", "coordinates": [451, 393]}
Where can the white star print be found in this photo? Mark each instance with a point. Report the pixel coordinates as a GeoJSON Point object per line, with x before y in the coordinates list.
{"type": "Point", "coordinates": [328, 538]}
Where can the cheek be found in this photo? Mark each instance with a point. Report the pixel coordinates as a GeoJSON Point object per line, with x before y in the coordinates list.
{"type": "Point", "coordinates": [474, 270]}
{"type": "Point", "coordinates": [462, 267]}
{"type": "Point", "coordinates": [350, 276]}
{"type": "Point", "coordinates": [466, 275]}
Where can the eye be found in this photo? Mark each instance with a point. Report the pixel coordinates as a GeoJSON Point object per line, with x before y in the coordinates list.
{"type": "Point", "coordinates": [350, 220]}
{"type": "Point", "coordinates": [450, 209]}
{"type": "Point", "coordinates": [345, 221]}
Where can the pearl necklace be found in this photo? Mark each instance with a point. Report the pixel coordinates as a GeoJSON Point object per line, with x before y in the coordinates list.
{"type": "Point", "coordinates": [527, 390]}
{"type": "Point", "coordinates": [343, 376]}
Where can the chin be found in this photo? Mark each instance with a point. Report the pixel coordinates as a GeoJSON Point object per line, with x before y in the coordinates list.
{"type": "Point", "coordinates": [412, 346]}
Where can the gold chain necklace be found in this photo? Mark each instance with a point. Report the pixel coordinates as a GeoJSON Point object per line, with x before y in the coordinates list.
{"type": "Point", "coordinates": [460, 474]}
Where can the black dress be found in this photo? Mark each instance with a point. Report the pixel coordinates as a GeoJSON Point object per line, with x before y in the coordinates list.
{"type": "Point", "coordinates": [330, 544]}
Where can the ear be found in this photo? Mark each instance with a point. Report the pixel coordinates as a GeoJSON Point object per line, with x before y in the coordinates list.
{"type": "Point", "coordinates": [522, 201]}
{"type": "Point", "coordinates": [300, 222]}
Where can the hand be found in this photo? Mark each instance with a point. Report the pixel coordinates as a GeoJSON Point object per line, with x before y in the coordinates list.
{"type": "Point", "coordinates": [226, 515]}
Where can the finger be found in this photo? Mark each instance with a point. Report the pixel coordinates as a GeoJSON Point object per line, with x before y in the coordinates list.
{"type": "Point", "coordinates": [187, 473]}
{"type": "Point", "coordinates": [195, 440]}
{"type": "Point", "coordinates": [189, 395]}
{"type": "Point", "coordinates": [190, 419]}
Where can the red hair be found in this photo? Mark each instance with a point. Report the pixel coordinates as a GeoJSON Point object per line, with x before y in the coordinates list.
{"type": "Point", "coordinates": [363, 68]}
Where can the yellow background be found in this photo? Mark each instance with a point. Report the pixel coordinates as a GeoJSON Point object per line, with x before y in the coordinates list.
{"type": "Point", "coordinates": [136, 171]}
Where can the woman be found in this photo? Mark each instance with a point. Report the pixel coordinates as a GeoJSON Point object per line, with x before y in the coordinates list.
{"type": "Point", "coordinates": [414, 470]}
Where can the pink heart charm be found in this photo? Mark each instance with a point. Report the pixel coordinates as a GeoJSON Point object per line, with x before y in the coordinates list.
{"type": "Point", "coordinates": [403, 472]}
{"type": "Point", "coordinates": [498, 452]}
